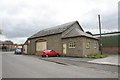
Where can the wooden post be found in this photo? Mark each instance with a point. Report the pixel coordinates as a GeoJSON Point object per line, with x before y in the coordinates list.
{"type": "Point", "coordinates": [100, 44]}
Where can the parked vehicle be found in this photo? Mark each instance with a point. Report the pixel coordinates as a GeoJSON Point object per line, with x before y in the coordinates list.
{"type": "Point", "coordinates": [49, 53]}
{"type": "Point", "coordinates": [18, 51]}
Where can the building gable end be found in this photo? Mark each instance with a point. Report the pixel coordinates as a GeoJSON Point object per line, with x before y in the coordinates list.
{"type": "Point", "coordinates": [71, 30]}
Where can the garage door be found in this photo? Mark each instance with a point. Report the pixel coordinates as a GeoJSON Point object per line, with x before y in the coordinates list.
{"type": "Point", "coordinates": [40, 46]}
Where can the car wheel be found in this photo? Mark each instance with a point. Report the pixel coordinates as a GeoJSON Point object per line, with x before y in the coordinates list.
{"type": "Point", "coordinates": [57, 55]}
{"type": "Point", "coordinates": [46, 55]}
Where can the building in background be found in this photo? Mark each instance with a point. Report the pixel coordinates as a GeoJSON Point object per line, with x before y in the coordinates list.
{"type": "Point", "coordinates": [1, 45]}
{"type": "Point", "coordinates": [7, 45]}
{"type": "Point", "coordinates": [18, 46]}
{"type": "Point", "coordinates": [110, 42]}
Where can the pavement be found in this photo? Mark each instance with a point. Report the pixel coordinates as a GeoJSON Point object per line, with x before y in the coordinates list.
{"type": "Point", "coordinates": [110, 60]}
{"type": "Point", "coordinates": [0, 64]}
{"type": "Point", "coordinates": [24, 66]}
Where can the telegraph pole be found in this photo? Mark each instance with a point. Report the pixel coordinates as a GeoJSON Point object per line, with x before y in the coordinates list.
{"type": "Point", "coordinates": [0, 31]}
{"type": "Point", "coordinates": [100, 44]}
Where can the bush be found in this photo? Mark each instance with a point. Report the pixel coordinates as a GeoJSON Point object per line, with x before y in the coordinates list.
{"type": "Point", "coordinates": [96, 56]}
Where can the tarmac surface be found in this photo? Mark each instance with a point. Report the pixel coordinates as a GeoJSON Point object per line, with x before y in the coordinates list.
{"type": "Point", "coordinates": [83, 62]}
{"type": "Point", "coordinates": [24, 66]}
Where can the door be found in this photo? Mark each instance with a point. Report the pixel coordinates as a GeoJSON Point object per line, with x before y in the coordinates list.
{"type": "Point", "coordinates": [25, 49]}
{"type": "Point", "coordinates": [64, 48]}
{"type": "Point", "coordinates": [40, 46]}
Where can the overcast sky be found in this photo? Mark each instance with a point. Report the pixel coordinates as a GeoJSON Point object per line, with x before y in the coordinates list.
{"type": "Point", "coordinates": [19, 19]}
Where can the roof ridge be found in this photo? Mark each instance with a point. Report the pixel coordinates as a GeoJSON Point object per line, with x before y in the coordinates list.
{"type": "Point", "coordinates": [60, 25]}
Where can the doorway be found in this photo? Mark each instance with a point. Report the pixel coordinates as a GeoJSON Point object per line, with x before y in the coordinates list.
{"type": "Point", "coordinates": [64, 48]}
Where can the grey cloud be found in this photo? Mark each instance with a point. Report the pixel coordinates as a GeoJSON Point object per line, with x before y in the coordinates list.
{"type": "Point", "coordinates": [109, 21]}
{"type": "Point", "coordinates": [24, 28]}
{"type": "Point", "coordinates": [11, 8]}
{"type": "Point", "coordinates": [13, 28]}
{"type": "Point", "coordinates": [119, 15]}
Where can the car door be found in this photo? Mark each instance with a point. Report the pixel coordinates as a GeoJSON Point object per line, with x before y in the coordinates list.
{"type": "Point", "coordinates": [53, 53]}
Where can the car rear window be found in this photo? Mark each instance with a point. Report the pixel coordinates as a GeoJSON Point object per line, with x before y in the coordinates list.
{"type": "Point", "coordinates": [49, 50]}
{"type": "Point", "coordinates": [18, 50]}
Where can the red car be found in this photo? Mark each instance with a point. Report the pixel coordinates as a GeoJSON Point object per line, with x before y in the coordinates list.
{"type": "Point", "coordinates": [48, 53]}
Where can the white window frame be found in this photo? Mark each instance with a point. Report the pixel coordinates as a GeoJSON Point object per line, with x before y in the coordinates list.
{"type": "Point", "coordinates": [88, 45]}
{"type": "Point", "coordinates": [72, 44]}
{"type": "Point", "coordinates": [95, 45]}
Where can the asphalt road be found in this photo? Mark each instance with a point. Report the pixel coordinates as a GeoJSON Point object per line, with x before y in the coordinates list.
{"type": "Point", "coordinates": [23, 66]}
{"type": "Point", "coordinates": [80, 63]}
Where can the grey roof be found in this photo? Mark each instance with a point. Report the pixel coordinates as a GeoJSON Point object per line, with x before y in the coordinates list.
{"type": "Point", "coordinates": [77, 32]}
{"type": "Point", "coordinates": [54, 30]}
{"type": "Point", "coordinates": [60, 29]}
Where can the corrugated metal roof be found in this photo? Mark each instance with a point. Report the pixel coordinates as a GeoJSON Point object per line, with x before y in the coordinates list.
{"type": "Point", "coordinates": [108, 34]}
{"type": "Point", "coordinates": [53, 30]}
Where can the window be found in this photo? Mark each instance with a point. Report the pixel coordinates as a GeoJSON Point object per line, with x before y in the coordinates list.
{"type": "Point", "coordinates": [95, 45]}
{"type": "Point", "coordinates": [72, 45]}
{"type": "Point", "coordinates": [88, 45]}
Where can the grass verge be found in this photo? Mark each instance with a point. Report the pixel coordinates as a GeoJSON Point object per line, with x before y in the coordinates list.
{"type": "Point", "coordinates": [96, 56]}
